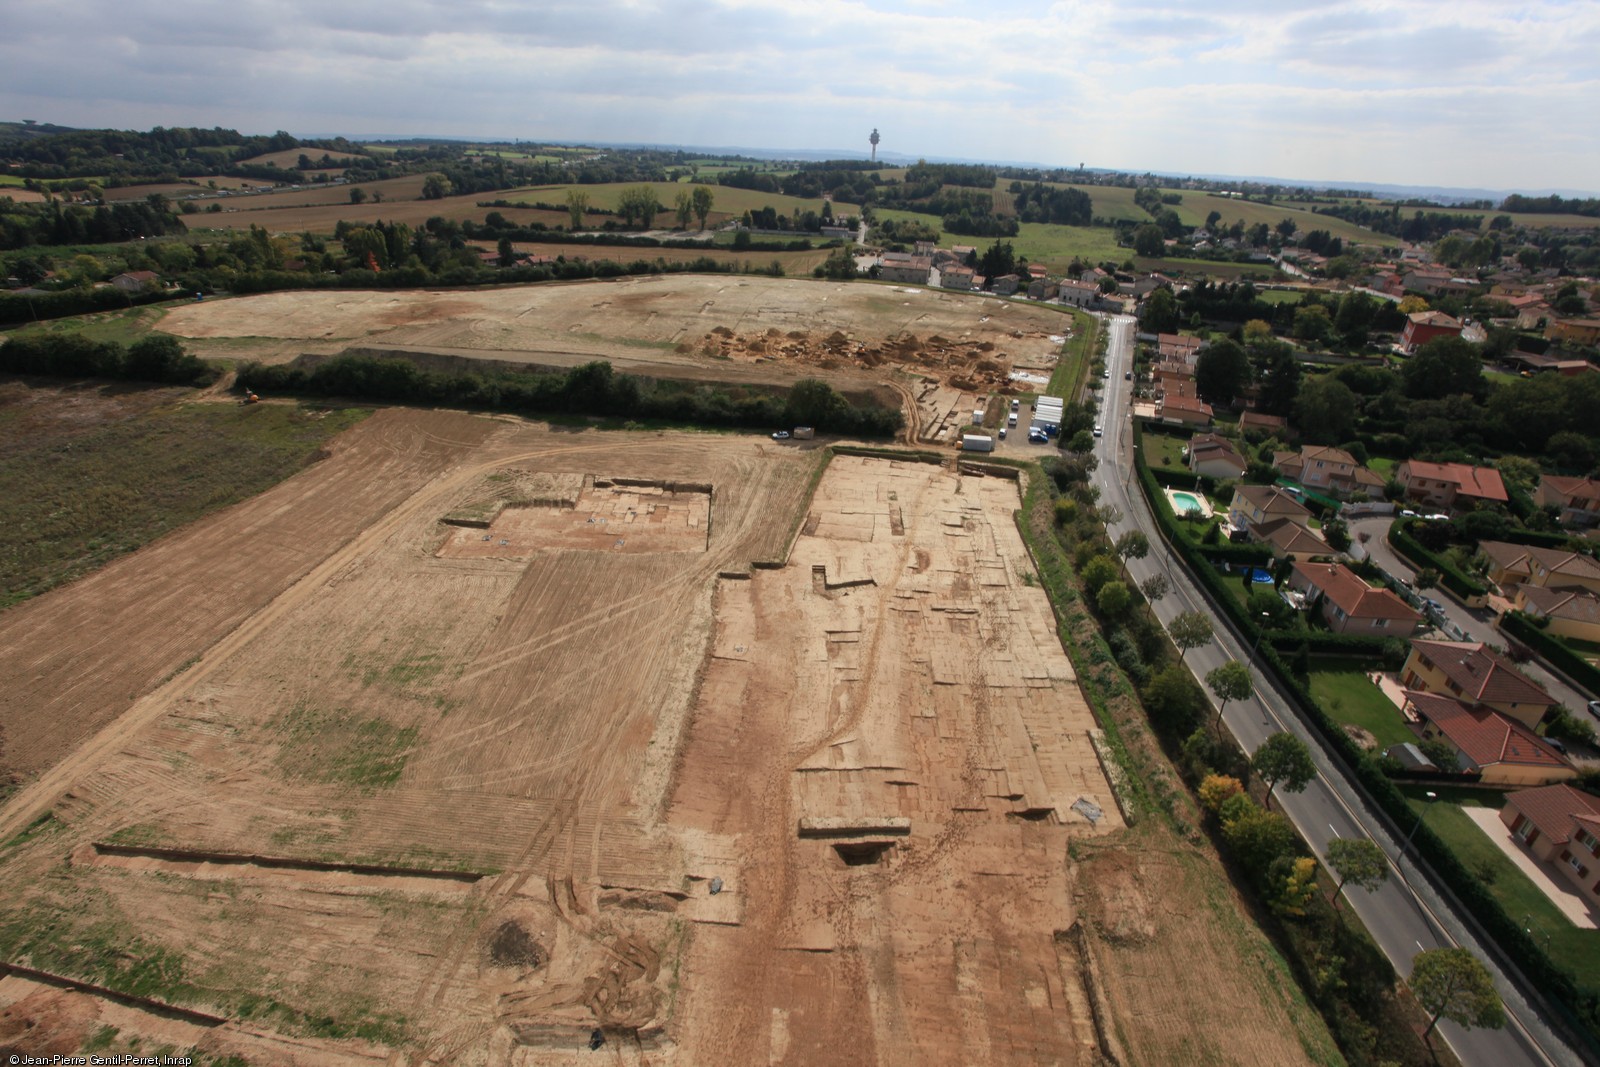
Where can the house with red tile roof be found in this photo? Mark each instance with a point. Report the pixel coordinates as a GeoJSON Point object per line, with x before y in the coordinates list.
{"type": "Point", "coordinates": [1173, 407]}
{"type": "Point", "coordinates": [1500, 749]}
{"type": "Point", "coordinates": [1574, 331]}
{"type": "Point", "coordinates": [1443, 484]}
{"type": "Point", "coordinates": [1214, 456]}
{"type": "Point", "coordinates": [1571, 613]}
{"type": "Point", "coordinates": [1350, 605]}
{"type": "Point", "coordinates": [1478, 675]}
{"type": "Point", "coordinates": [1561, 825]}
{"type": "Point", "coordinates": [1548, 568]}
{"type": "Point", "coordinates": [1329, 470]}
{"type": "Point", "coordinates": [1261, 422]}
{"type": "Point", "coordinates": [1578, 499]}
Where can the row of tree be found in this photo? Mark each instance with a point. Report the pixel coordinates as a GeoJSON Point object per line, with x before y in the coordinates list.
{"type": "Point", "coordinates": [590, 389]}
{"type": "Point", "coordinates": [156, 358]}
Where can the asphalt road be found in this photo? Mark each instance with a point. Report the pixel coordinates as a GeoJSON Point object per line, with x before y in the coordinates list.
{"type": "Point", "coordinates": [1405, 915]}
{"type": "Point", "coordinates": [1478, 624]}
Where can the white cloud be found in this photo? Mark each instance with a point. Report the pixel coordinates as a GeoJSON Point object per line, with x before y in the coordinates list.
{"type": "Point", "coordinates": [1465, 93]}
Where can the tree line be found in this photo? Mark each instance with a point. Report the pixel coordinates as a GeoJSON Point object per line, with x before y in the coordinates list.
{"type": "Point", "coordinates": [591, 389]}
{"type": "Point", "coordinates": [156, 358]}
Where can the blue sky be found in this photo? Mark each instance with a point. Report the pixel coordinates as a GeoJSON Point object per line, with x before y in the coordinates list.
{"type": "Point", "coordinates": [1458, 93]}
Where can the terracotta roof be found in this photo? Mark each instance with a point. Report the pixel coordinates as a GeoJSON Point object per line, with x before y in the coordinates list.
{"type": "Point", "coordinates": [1261, 419]}
{"type": "Point", "coordinates": [1483, 482]}
{"type": "Point", "coordinates": [1574, 604]}
{"type": "Point", "coordinates": [1576, 488]}
{"type": "Point", "coordinates": [1485, 736]}
{"type": "Point", "coordinates": [1272, 501]}
{"type": "Point", "coordinates": [1213, 444]}
{"type": "Point", "coordinates": [1346, 590]}
{"type": "Point", "coordinates": [1485, 677]}
{"type": "Point", "coordinates": [1434, 318]}
{"type": "Point", "coordinates": [1184, 403]}
{"type": "Point", "coordinates": [1555, 810]}
{"type": "Point", "coordinates": [1079, 285]}
{"type": "Point", "coordinates": [1289, 537]}
{"type": "Point", "coordinates": [1558, 561]}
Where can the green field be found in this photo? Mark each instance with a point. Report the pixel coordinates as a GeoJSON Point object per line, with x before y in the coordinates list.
{"type": "Point", "coordinates": [1350, 697]}
{"type": "Point", "coordinates": [1116, 202]}
{"type": "Point", "coordinates": [1056, 247]}
{"type": "Point", "coordinates": [1280, 296]}
{"type": "Point", "coordinates": [11, 179]}
{"type": "Point", "coordinates": [74, 495]}
{"type": "Point", "coordinates": [725, 200]}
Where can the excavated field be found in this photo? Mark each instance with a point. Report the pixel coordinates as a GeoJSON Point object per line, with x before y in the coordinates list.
{"type": "Point", "coordinates": [940, 350]}
{"type": "Point", "coordinates": [789, 776]}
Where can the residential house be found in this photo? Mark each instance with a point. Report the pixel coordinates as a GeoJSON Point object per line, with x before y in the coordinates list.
{"type": "Point", "coordinates": [1041, 289]}
{"type": "Point", "coordinates": [1578, 499]}
{"type": "Point", "coordinates": [1290, 540]}
{"type": "Point", "coordinates": [1350, 605]}
{"type": "Point", "coordinates": [963, 251]}
{"type": "Point", "coordinates": [1258, 422]}
{"type": "Point", "coordinates": [1037, 270]}
{"type": "Point", "coordinates": [1547, 568]}
{"type": "Point", "coordinates": [1094, 276]}
{"type": "Point", "coordinates": [1271, 516]}
{"type": "Point", "coordinates": [1561, 825]}
{"type": "Point", "coordinates": [1178, 346]}
{"type": "Point", "coordinates": [1566, 368]}
{"type": "Point", "coordinates": [1254, 504]}
{"type": "Point", "coordinates": [1005, 285]}
{"type": "Point", "coordinates": [1425, 326]}
{"type": "Point", "coordinates": [925, 248]}
{"type": "Point", "coordinates": [905, 268]}
{"type": "Point", "coordinates": [1078, 294]}
{"type": "Point", "coordinates": [1574, 331]}
{"type": "Point", "coordinates": [1329, 470]}
{"type": "Point", "coordinates": [1532, 316]}
{"type": "Point", "coordinates": [1185, 409]}
{"type": "Point", "coordinates": [137, 281]}
{"type": "Point", "coordinates": [1214, 456]}
{"type": "Point", "coordinates": [1425, 280]}
{"type": "Point", "coordinates": [956, 278]}
{"type": "Point", "coordinates": [1500, 749]}
{"type": "Point", "coordinates": [1443, 484]}
{"type": "Point", "coordinates": [1148, 284]}
{"type": "Point", "coordinates": [1477, 674]}
{"type": "Point", "coordinates": [1571, 612]}
{"type": "Point", "coordinates": [1174, 371]}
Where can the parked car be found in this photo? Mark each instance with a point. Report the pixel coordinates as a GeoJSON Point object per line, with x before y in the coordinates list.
{"type": "Point", "coordinates": [1127, 376]}
{"type": "Point", "coordinates": [1594, 707]}
{"type": "Point", "coordinates": [1037, 437]}
{"type": "Point", "coordinates": [1002, 433]}
{"type": "Point", "coordinates": [781, 435]}
{"type": "Point", "coordinates": [1408, 514]}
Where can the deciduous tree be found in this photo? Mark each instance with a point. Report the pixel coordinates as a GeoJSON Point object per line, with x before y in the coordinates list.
{"type": "Point", "coordinates": [577, 204]}
{"type": "Point", "coordinates": [1451, 983]}
{"type": "Point", "coordinates": [1284, 758]}
{"type": "Point", "coordinates": [1358, 861]}
{"type": "Point", "coordinates": [1190, 629]}
{"type": "Point", "coordinates": [1231, 681]}
{"type": "Point", "coordinates": [1222, 372]}
{"type": "Point", "coordinates": [1133, 545]}
{"type": "Point", "coordinates": [702, 197]}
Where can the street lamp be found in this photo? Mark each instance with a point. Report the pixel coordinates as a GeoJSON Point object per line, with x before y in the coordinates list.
{"type": "Point", "coordinates": [1432, 796]}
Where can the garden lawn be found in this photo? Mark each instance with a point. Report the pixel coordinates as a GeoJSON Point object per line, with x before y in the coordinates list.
{"type": "Point", "coordinates": [1351, 698]}
{"type": "Point", "coordinates": [1572, 948]}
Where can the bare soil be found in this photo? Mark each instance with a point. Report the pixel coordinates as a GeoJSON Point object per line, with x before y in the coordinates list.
{"type": "Point", "coordinates": [941, 351]}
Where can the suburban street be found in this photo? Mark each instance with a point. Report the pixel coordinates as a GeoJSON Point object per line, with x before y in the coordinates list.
{"type": "Point", "coordinates": [1406, 914]}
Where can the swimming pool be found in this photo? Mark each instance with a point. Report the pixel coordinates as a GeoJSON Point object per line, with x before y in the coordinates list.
{"type": "Point", "coordinates": [1183, 503]}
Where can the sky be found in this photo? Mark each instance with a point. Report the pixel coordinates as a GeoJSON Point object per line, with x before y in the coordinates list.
{"type": "Point", "coordinates": [1456, 93]}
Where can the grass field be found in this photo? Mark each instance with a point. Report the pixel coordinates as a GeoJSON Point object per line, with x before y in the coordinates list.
{"type": "Point", "coordinates": [1056, 246]}
{"type": "Point", "coordinates": [1074, 364]}
{"type": "Point", "coordinates": [726, 201]}
{"type": "Point", "coordinates": [1115, 202]}
{"type": "Point", "coordinates": [1281, 296]}
{"type": "Point", "coordinates": [124, 327]}
{"type": "Point", "coordinates": [1576, 949]}
{"type": "Point", "coordinates": [1350, 698]}
{"type": "Point", "coordinates": [95, 471]}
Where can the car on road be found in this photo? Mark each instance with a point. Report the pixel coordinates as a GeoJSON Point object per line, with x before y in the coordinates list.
{"type": "Point", "coordinates": [1594, 707]}
{"type": "Point", "coordinates": [781, 435]}
{"type": "Point", "coordinates": [1105, 374]}
{"type": "Point", "coordinates": [1097, 431]}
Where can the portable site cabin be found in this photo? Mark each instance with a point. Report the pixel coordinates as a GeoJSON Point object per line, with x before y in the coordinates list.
{"type": "Point", "coordinates": [1047, 414]}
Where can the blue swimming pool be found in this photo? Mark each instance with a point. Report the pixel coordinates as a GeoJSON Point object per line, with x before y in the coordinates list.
{"type": "Point", "coordinates": [1183, 503]}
